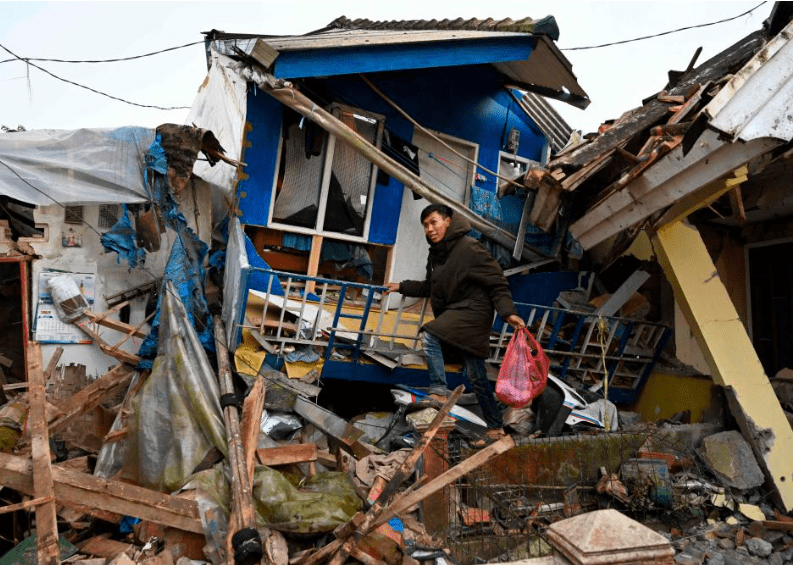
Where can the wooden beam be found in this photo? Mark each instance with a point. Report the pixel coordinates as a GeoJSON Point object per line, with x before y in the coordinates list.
{"type": "Point", "coordinates": [98, 497]}
{"type": "Point", "coordinates": [106, 348]}
{"type": "Point", "coordinates": [729, 353]}
{"type": "Point", "coordinates": [458, 471]}
{"type": "Point", "coordinates": [51, 366]}
{"type": "Point", "coordinates": [91, 396]}
{"type": "Point", "coordinates": [313, 261]}
{"type": "Point", "coordinates": [242, 514]}
{"type": "Point", "coordinates": [46, 518]}
{"type": "Point", "coordinates": [250, 427]}
{"type": "Point", "coordinates": [623, 293]}
{"type": "Point", "coordinates": [288, 454]}
{"type": "Point", "coordinates": [664, 183]}
{"type": "Point", "coordinates": [27, 504]}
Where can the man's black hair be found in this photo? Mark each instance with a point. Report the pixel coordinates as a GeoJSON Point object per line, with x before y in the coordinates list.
{"type": "Point", "coordinates": [441, 209]}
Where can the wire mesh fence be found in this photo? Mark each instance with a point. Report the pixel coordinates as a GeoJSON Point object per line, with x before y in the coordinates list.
{"type": "Point", "coordinates": [500, 511]}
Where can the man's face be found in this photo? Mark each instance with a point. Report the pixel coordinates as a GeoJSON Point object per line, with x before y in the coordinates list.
{"type": "Point", "coordinates": [435, 227]}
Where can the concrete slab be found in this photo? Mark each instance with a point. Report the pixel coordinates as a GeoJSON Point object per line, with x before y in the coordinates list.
{"type": "Point", "coordinates": [608, 537]}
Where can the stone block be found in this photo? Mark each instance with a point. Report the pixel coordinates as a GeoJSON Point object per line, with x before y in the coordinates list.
{"type": "Point", "coordinates": [730, 457]}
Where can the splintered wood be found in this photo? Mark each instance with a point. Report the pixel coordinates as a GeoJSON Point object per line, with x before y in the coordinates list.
{"type": "Point", "coordinates": [46, 520]}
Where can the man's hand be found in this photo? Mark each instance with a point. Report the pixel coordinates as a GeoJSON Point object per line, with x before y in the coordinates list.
{"type": "Point", "coordinates": [516, 321]}
{"type": "Point", "coordinates": [391, 287]}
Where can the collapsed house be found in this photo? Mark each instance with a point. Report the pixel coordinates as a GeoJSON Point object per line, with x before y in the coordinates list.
{"type": "Point", "coordinates": [267, 230]}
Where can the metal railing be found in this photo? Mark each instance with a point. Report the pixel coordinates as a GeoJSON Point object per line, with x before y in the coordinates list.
{"type": "Point", "coordinates": [356, 317]}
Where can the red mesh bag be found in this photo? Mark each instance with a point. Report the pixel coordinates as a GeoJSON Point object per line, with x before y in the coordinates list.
{"type": "Point", "coordinates": [524, 371]}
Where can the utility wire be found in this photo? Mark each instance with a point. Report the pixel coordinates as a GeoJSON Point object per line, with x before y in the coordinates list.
{"type": "Point", "coordinates": [106, 60]}
{"type": "Point", "coordinates": [662, 33]}
{"type": "Point", "coordinates": [26, 61]}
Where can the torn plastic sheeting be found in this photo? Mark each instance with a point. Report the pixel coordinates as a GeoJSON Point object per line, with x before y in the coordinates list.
{"type": "Point", "coordinates": [83, 166]}
{"type": "Point", "coordinates": [123, 239]}
{"type": "Point", "coordinates": [185, 272]}
{"type": "Point", "coordinates": [319, 504]}
{"type": "Point", "coordinates": [176, 418]}
{"type": "Point", "coordinates": [322, 503]}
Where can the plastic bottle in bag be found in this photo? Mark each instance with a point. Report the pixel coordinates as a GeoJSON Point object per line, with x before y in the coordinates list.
{"type": "Point", "coordinates": [66, 297]}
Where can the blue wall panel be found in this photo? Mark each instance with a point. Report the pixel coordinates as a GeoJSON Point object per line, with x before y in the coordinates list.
{"type": "Point", "coordinates": [254, 191]}
{"type": "Point", "coordinates": [377, 58]}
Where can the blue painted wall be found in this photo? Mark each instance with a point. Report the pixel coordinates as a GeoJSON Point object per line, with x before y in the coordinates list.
{"type": "Point", "coordinates": [467, 102]}
{"type": "Point", "coordinates": [337, 61]}
{"type": "Point", "coordinates": [263, 132]}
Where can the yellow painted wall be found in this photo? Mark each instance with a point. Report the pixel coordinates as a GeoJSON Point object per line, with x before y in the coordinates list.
{"type": "Point", "coordinates": [664, 395]}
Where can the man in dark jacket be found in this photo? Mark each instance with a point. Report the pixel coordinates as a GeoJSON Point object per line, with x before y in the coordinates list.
{"type": "Point", "coordinates": [465, 284]}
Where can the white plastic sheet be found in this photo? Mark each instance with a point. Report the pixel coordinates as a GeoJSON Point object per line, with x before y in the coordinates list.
{"type": "Point", "coordinates": [83, 166]}
{"type": "Point", "coordinates": [176, 418]}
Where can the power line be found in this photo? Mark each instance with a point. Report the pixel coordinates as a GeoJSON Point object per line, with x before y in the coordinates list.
{"type": "Point", "coordinates": [26, 61]}
{"type": "Point", "coordinates": [106, 60]}
{"type": "Point", "coordinates": [662, 33]}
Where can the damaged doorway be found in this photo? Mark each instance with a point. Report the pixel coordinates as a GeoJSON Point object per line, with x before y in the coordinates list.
{"type": "Point", "coordinates": [13, 319]}
{"type": "Point", "coordinates": [770, 283]}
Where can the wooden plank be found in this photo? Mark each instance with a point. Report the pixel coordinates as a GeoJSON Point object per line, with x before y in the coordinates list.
{"type": "Point", "coordinates": [313, 261]}
{"type": "Point", "coordinates": [264, 53]}
{"type": "Point", "coordinates": [102, 546]}
{"type": "Point", "coordinates": [777, 525]}
{"type": "Point", "coordinates": [458, 471]}
{"type": "Point", "coordinates": [251, 424]}
{"type": "Point", "coordinates": [340, 548]}
{"type": "Point", "coordinates": [50, 370]}
{"type": "Point", "coordinates": [26, 504]}
{"type": "Point", "coordinates": [119, 354]}
{"type": "Point", "coordinates": [91, 396]}
{"type": "Point", "coordinates": [98, 497]}
{"type": "Point", "coordinates": [288, 454]}
{"type": "Point", "coordinates": [104, 320]}
{"type": "Point", "coordinates": [5, 361]}
{"type": "Point", "coordinates": [46, 518]}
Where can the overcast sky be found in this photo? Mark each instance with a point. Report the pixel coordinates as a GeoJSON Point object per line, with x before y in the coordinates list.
{"type": "Point", "coordinates": [616, 78]}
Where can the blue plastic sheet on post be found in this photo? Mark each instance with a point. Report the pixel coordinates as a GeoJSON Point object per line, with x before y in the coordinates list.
{"type": "Point", "coordinates": [185, 263]}
{"type": "Point", "coordinates": [123, 239]}
{"type": "Point", "coordinates": [185, 271]}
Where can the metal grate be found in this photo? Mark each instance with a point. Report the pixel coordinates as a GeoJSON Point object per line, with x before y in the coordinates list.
{"type": "Point", "coordinates": [73, 215]}
{"type": "Point", "coordinates": [108, 215]}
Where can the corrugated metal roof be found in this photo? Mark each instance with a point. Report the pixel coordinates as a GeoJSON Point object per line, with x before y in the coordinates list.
{"type": "Point", "coordinates": [546, 71]}
{"type": "Point", "coordinates": [546, 26]}
{"type": "Point", "coordinates": [549, 121]}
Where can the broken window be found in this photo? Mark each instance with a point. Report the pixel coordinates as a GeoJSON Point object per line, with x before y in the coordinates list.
{"type": "Point", "coordinates": [324, 186]}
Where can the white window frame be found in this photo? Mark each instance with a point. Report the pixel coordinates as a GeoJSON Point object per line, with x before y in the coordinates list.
{"type": "Point", "coordinates": [507, 156]}
{"type": "Point", "coordinates": [472, 169]}
{"type": "Point", "coordinates": [336, 109]}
